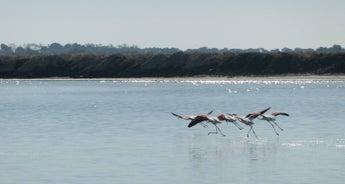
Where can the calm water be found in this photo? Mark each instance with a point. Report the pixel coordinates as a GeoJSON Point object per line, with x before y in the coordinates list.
{"type": "Point", "coordinates": [122, 132]}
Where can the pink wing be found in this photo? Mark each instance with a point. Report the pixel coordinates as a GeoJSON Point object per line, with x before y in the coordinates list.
{"type": "Point", "coordinates": [280, 113]}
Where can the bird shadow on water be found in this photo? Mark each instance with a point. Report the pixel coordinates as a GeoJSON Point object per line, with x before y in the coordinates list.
{"type": "Point", "coordinates": [239, 148]}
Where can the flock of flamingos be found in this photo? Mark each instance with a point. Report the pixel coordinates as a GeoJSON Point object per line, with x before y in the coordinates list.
{"type": "Point", "coordinates": [233, 118]}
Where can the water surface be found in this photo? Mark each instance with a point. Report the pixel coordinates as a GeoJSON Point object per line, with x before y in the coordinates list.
{"type": "Point", "coordinates": [123, 132]}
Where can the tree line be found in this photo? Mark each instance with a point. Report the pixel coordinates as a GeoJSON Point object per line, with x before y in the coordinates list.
{"type": "Point", "coordinates": [56, 48]}
{"type": "Point", "coordinates": [179, 64]}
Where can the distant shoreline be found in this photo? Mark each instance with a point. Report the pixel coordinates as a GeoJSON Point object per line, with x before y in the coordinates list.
{"type": "Point", "coordinates": [200, 78]}
{"type": "Point", "coordinates": [172, 66]}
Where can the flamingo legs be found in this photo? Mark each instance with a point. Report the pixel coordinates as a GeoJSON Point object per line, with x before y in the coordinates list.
{"type": "Point", "coordinates": [251, 129]}
{"type": "Point", "coordinates": [237, 125]}
{"type": "Point", "coordinates": [272, 123]}
{"type": "Point", "coordinates": [278, 125]}
{"type": "Point", "coordinates": [273, 127]}
{"type": "Point", "coordinates": [203, 124]}
{"type": "Point", "coordinates": [216, 132]}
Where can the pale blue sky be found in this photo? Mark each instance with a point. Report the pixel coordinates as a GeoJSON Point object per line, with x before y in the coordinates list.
{"type": "Point", "coordinates": [180, 23]}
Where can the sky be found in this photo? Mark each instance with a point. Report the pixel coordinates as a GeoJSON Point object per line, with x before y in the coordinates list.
{"type": "Point", "coordinates": [183, 24]}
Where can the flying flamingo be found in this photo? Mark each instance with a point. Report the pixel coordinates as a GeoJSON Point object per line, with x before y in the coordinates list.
{"type": "Point", "coordinates": [202, 118]}
{"type": "Point", "coordinates": [199, 119]}
{"type": "Point", "coordinates": [229, 118]}
{"type": "Point", "coordinates": [248, 120]}
{"type": "Point", "coordinates": [193, 117]}
{"type": "Point", "coordinates": [271, 118]}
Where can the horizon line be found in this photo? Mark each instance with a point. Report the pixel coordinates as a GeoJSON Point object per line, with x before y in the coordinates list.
{"type": "Point", "coordinates": [124, 45]}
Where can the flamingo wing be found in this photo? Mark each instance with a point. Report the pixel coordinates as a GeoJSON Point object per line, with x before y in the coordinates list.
{"type": "Point", "coordinates": [263, 111]}
{"type": "Point", "coordinates": [250, 114]}
{"type": "Point", "coordinates": [253, 115]}
{"type": "Point", "coordinates": [182, 117]}
{"type": "Point", "coordinates": [197, 120]}
{"type": "Point", "coordinates": [280, 113]}
{"type": "Point", "coordinates": [209, 113]}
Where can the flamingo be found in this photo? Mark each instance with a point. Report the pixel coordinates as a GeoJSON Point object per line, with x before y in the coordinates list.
{"type": "Point", "coordinates": [229, 118]}
{"type": "Point", "coordinates": [199, 119]}
{"type": "Point", "coordinates": [271, 118]}
{"type": "Point", "coordinates": [202, 118]}
{"type": "Point", "coordinates": [248, 120]}
{"type": "Point", "coordinates": [193, 117]}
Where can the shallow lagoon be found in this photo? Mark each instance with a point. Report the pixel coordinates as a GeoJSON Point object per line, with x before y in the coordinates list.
{"type": "Point", "coordinates": [121, 131]}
